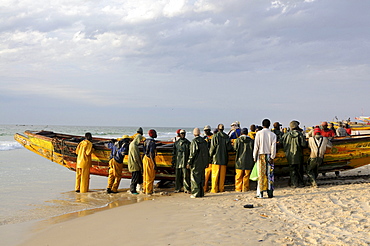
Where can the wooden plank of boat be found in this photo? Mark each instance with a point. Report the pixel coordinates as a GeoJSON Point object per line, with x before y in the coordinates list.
{"type": "Point", "coordinates": [347, 153]}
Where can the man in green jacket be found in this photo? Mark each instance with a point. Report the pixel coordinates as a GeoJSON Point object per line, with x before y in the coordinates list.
{"type": "Point", "coordinates": [243, 161]}
{"type": "Point", "coordinates": [180, 157]}
{"type": "Point", "coordinates": [135, 165]}
{"type": "Point", "coordinates": [198, 161]}
{"type": "Point", "coordinates": [294, 142]}
{"type": "Point", "coordinates": [220, 146]}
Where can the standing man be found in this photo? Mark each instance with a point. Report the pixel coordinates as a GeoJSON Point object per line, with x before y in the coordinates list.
{"type": "Point", "coordinates": [180, 157]}
{"type": "Point", "coordinates": [277, 131]}
{"type": "Point", "coordinates": [234, 133]}
{"type": "Point", "coordinates": [253, 132]}
{"type": "Point", "coordinates": [198, 160]}
{"type": "Point", "coordinates": [135, 165]}
{"type": "Point", "coordinates": [83, 151]}
{"type": "Point", "coordinates": [341, 132]}
{"type": "Point", "coordinates": [264, 153]}
{"type": "Point", "coordinates": [243, 161]}
{"type": "Point", "coordinates": [325, 131]}
{"type": "Point", "coordinates": [294, 142]}
{"type": "Point", "coordinates": [207, 136]}
{"type": "Point", "coordinates": [118, 151]}
{"type": "Point", "coordinates": [149, 164]}
{"type": "Point", "coordinates": [318, 145]}
{"type": "Point", "coordinates": [220, 146]}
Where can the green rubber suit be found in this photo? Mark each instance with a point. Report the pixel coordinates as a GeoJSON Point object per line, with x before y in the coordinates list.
{"type": "Point", "coordinates": [180, 156]}
{"type": "Point", "coordinates": [198, 161]}
{"type": "Point", "coordinates": [294, 142]}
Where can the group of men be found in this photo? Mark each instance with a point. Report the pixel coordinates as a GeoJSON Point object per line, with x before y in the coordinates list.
{"type": "Point", "coordinates": [259, 148]}
{"type": "Point", "coordinates": [143, 169]}
{"type": "Point", "coordinates": [204, 158]}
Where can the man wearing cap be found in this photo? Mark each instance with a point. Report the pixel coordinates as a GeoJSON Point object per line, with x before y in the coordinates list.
{"type": "Point", "coordinates": [293, 143]}
{"type": "Point", "coordinates": [198, 160]}
{"type": "Point", "coordinates": [234, 133]}
{"type": "Point", "coordinates": [139, 131]}
{"type": "Point", "coordinates": [180, 157]}
{"type": "Point", "coordinates": [318, 145]}
{"type": "Point", "coordinates": [264, 152]}
{"type": "Point", "coordinates": [208, 172]}
{"type": "Point", "coordinates": [220, 146]}
{"type": "Point", "coordinates": [149, 163]}
{"type": "Point", "coordinates": [243, 161]}
{"type": "Point", "coordinates": [135, 165]}
{"type": "Point", "coordinates": [119, 149]}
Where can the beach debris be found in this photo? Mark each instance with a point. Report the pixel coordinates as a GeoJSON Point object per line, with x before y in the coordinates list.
{"type": "Point", "coordinates": [248, 206]}
{"type": "Point", "coordinates": [164, 193]}
{"type": "Point", "coordinates": [264, 215]}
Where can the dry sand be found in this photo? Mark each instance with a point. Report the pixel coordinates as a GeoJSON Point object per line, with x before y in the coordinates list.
{"type": "Point", "coordinates": [328, 215]}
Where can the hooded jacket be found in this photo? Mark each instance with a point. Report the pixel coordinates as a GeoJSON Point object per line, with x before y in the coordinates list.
{"type": "Point", "coordinates": [293, 143]}
{"type": "Point", "coordinates": [134, 160]}
{"type": "Point", "coordinates": [199, 156]}
{"type": "Point", "coordinates": [181, 151]}
{"type": "Point", "coordinates": [220, 146]}
{"type": "Point", "coordinates": [244, 153]}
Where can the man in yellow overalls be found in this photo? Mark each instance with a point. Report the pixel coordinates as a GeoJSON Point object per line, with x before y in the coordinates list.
{"type": "Point", "coordinates": [83, 151]}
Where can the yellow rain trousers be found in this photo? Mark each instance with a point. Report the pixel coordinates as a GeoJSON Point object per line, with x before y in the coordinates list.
{"type": "Point", "coordinates": [242, 180]}
{"type": "Point", "coordinates": [83, 151]}
{"type": "Point", "coordinates": [208, 172]}
{"type": "Point", "coordinates": [115, 174]}
{"type": "Point", "coordinates": [218, 178]}
{"type": "Point", "coordinates": [148, 175]}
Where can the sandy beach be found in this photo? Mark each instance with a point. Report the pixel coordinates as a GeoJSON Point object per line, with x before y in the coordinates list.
{"type": "Point", "coordinates": [332, 214]}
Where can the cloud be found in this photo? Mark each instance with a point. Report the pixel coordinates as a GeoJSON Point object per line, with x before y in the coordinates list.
{"type": "Point", "coordinates": [178, 54]}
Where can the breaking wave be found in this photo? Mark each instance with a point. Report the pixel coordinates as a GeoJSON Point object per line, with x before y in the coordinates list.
{"type": "Point", "coordinates": [9, 145]}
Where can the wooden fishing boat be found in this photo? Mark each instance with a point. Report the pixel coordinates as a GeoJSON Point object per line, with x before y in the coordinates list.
{"type": "Point", "coordinates": [347, 153]}
{"type": "Point", "coordinates": [355, 126]}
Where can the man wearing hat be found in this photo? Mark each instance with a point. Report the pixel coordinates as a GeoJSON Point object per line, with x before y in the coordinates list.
{"type": "Point", "coordinates": [234, 133]}
{"type": "Point", "coordinates": [293, 143]}
{"type": "Point", "coordinates": [198, 160]}
{"type": "Point", "coordinates": [149, 163]}
{"type": "Point", "coordinates": [318, 145]}
{"type": "Point", "coordinates": [139, 131]}
{"type": "Point", "coordinates": [135, 165]}
{"type": "Point", "coordinates": [208, 171]}
{"type": "Point", "coordinates": [180, 156]}
{"type": "Point", "coordinates": [118, 151]}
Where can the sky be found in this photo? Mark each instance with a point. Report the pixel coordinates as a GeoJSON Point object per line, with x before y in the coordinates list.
{"type": "Point", "coordinates": [181, 63]}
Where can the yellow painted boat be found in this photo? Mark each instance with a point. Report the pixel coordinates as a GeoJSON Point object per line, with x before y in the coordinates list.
{"type": "Point", "coordinates": [355, 126]}
{"type": "Point", "coordinates": [347, 153]}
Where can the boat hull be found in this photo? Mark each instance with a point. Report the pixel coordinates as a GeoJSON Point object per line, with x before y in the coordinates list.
{"type": "Point", "coordinates": [347, 153]}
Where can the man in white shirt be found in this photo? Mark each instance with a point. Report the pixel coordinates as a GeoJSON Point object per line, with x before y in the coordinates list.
{"type": "Point", "coordinates": [264, 152]}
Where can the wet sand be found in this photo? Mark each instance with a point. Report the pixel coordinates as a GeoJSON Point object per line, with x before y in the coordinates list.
{"type": "Point", "coordinates": [336, 214]}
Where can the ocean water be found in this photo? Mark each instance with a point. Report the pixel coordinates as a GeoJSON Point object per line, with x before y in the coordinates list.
{"type": "Point", "coordinates": [34, 188]}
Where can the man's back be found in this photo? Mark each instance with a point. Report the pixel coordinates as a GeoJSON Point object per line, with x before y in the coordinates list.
{"type": "Point", "coordinates": [265, 143]}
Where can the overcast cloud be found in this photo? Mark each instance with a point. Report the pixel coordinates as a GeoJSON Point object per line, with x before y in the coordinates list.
{"type": "Point", "coordinates": [183, 63]}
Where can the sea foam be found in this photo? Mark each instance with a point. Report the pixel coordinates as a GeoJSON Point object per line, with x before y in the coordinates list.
{"type": "Point", "coordinates": [9, 145]}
